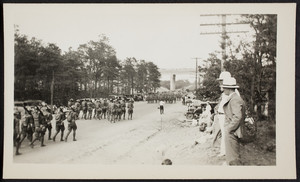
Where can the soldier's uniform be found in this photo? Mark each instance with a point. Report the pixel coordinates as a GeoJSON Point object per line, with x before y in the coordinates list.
{"type": "Point", "coordinates": [77, 107]}
{"type": "Point", "coordinates": [84, 109]}
{"type": "Point", "coordinates": [39, 127]}
{"type": "Point", "coordinates": [123, 108]}
{"type": "Point", "coordinates": [104, 108]}
{"type": "Point", "coordinates": [118, 110]}
{"type": "Point", "coordinates": [98, 109]}
{"type": "Point", "coordinates": [24, 128]}
{"type": "Point", "coordinates": [71, 118]}
{"type": "Point", "coordinates": [109, 110]}
{"type": "Point", "coordinates": [59, 124]}
{"type": "Point", "coordinates": [27, 125]}
{"type": "Point", "coordinates": [48, 118]}
{"type": "Point", "coordinates": [90, 107]}
{"type": "Point", "coordinates": [112, 111]}
{"type": "Point", "coordinates": [130, 109]}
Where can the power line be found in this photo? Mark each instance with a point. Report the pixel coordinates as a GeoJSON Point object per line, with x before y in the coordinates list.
{"type": "Point", "coordinates": [207, 33]}
{"type": "Point", "coordinates": [210, 24]}
{"type": "Point", "coordinates": [224, 32]}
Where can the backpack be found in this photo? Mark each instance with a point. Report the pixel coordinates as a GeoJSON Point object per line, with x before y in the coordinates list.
{"type": "Point", "coordinates": [83, 104]}
{"type": "Point", "coordinates": [69, 116]}
{"type": "Point", "coordinates": [57, 117]}
{"type": "Point", "coordinates": [248, 130]}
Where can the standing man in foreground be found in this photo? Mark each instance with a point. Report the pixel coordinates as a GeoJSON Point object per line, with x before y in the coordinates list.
{"type": "Point", "coordinates": [234, 110]}
{"type": "Point", "coordinates": [220, 111]}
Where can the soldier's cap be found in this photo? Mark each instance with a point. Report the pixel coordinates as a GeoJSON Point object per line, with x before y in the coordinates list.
{"type": "Point", "coordinates": [78, 100]}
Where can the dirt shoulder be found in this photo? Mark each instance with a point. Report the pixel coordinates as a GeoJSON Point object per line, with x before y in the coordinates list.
{"type": "Point", "coordinates": [177, 142]}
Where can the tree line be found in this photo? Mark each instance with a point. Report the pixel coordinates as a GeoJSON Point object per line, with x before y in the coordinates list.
{"type": "Point", "coordinates": [253, 64]}
{"type": "Point", "coordinates": [92, 70]}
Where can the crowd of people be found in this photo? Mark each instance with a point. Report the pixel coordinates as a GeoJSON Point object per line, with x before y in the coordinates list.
{"type": "Point", "coordinates": [32, 122]}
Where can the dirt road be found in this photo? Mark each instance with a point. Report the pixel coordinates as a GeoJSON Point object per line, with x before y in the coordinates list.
{"type": "Point", "coordinates": [144, 140]}
{"type": "Point", "coordinates": [147, 139]}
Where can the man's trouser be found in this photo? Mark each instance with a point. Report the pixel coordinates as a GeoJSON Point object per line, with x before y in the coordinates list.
{"type": "Point", "coordinates": [232, 148]}
{"type": "Point", "coordinates": [221, 118]}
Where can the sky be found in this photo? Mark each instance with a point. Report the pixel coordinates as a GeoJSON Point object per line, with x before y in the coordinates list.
{"type": "Point", "coordinates": [168, 35]}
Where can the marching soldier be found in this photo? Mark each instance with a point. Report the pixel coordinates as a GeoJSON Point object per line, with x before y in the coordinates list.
{"type": "Point", "coordinates": [109, 110]}
{"type": "Point", "coordinates": [90, 107]}
{"type": "Point", "coordinates": [84, 108]}
{"type": "Point", "coordinates": [71, 118]}
{"type": "Point", "coordinates": [39, 125]}
{"type": "Point", "coordinates": [112, 111]}
{"type": "Point", "coordinates": [77, 107]}
{"type": "Point", "coordinates": [123, 109]}
{"type": "Point", "coordinates": [118, 110]}
{"type": "Point", "coordinates": [59, 124]}
{"type": "Point", "coordinates": [27, 123]}
{"type": "Point", "coordinates": [130, 109]}
{"type": "Point", "coordinates": [104, 108]}
{"type": "Point", "coordinates": [48, 118]}
{"type": "Point", "coordinates": [98, 109]}
{"type": "Point", "coordinates": [25, 128]}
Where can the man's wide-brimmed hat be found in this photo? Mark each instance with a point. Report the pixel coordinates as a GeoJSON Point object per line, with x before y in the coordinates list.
{"type": "Point", "coordinates": [229, 83]}
{"type": "Point", "coordinates": [224, 75]}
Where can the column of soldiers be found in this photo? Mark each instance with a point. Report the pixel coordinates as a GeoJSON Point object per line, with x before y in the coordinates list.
{"type": "Point", "coordinates": [166, 97]}
{"type": "Point", "coordinates": [35, 121]}
{"type": "Point", "coordinates": [112, 109]}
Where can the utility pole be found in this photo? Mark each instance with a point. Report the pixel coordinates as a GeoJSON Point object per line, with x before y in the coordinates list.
{"type": "Point", "coordinates": [223, 33]}
{"type": "Point", "coordinates": [196, 82]}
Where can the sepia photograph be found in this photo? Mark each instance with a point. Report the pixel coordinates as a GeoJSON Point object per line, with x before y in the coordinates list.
{"type": "Point", "coordinates": [149, 91]}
